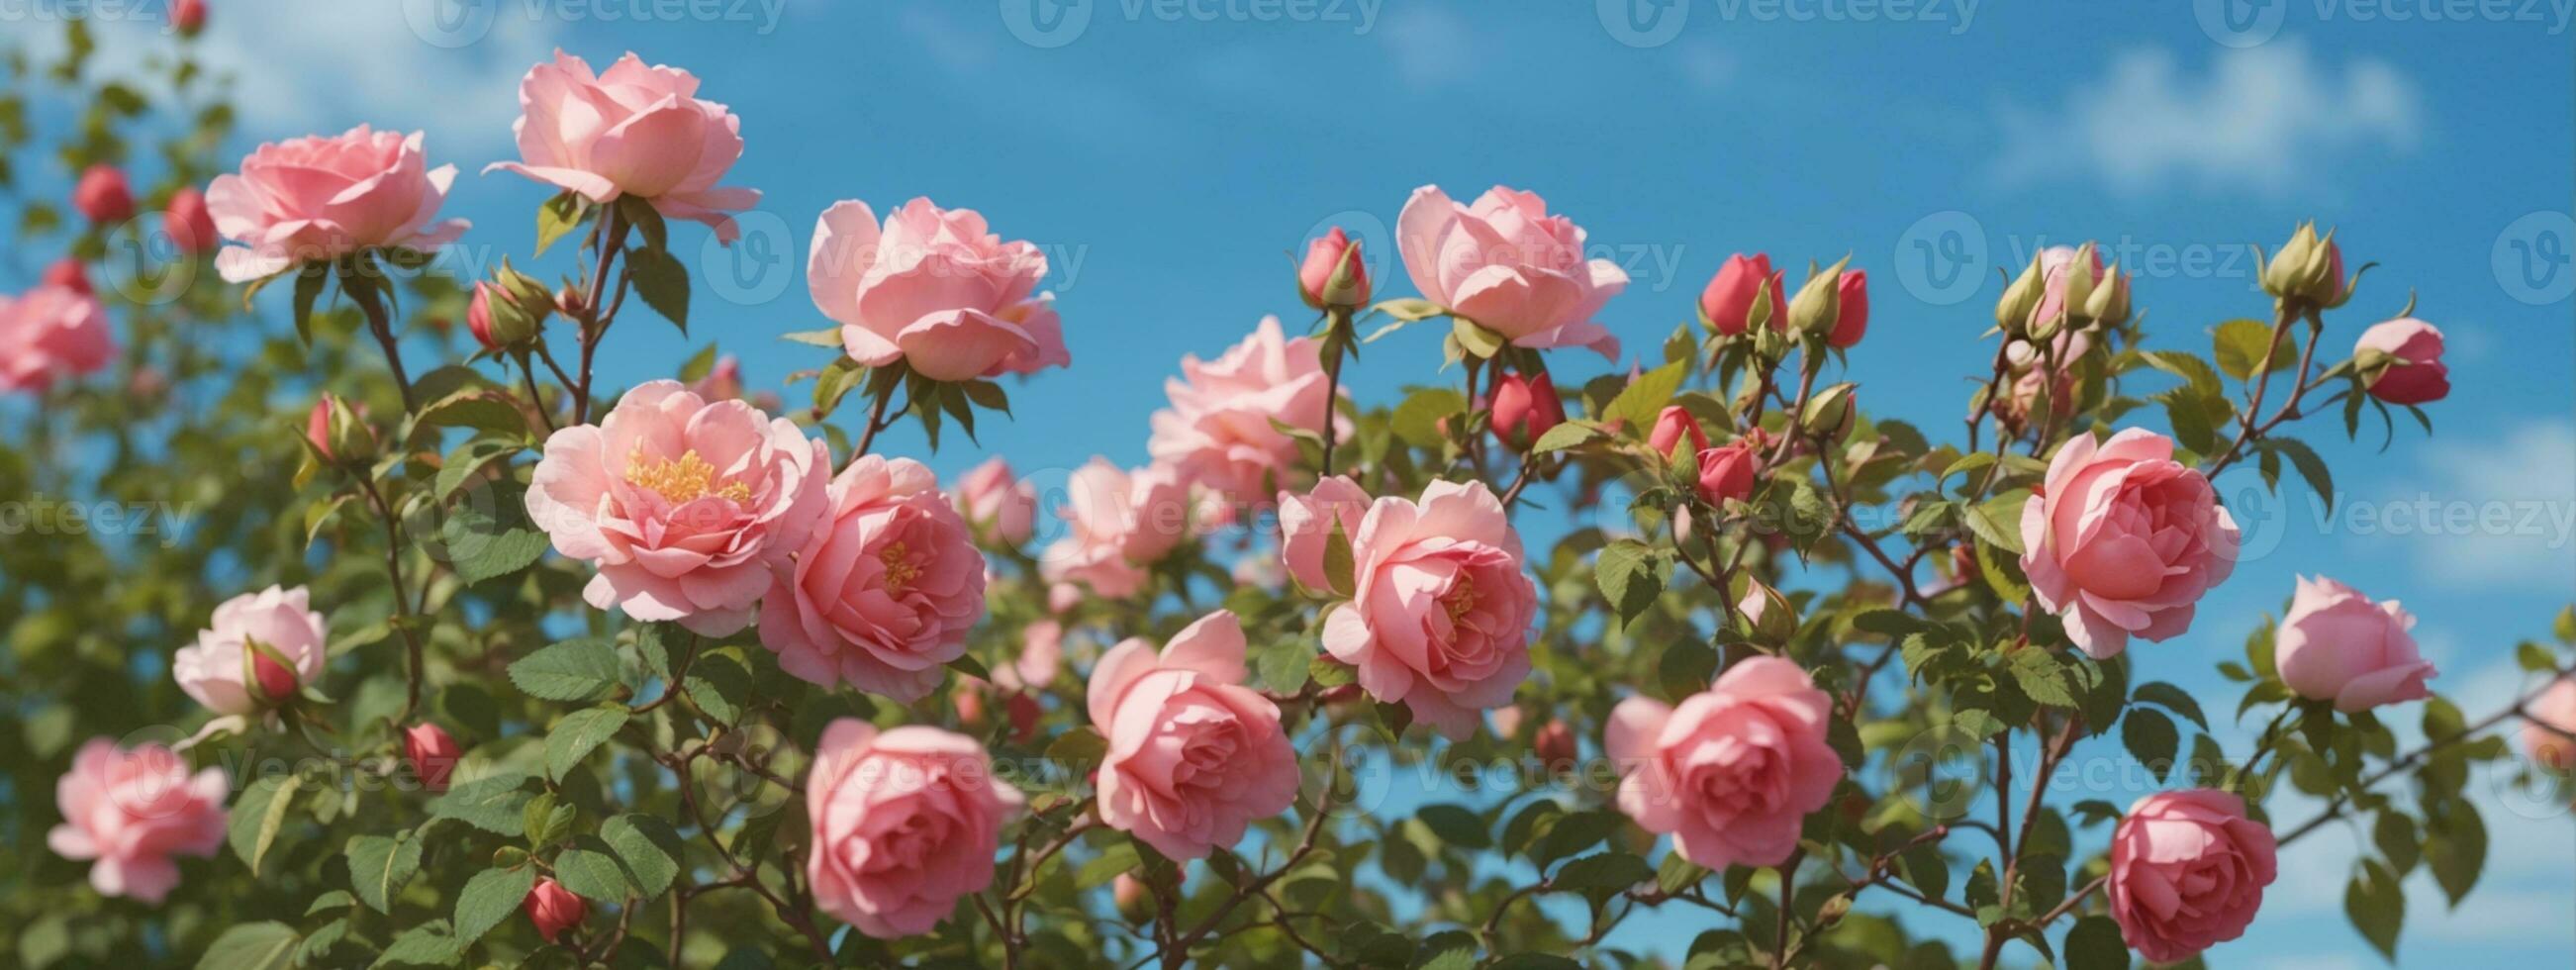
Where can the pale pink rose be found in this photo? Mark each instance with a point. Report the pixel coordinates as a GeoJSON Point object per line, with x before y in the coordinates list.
{"type": "Point", "coordinates": [882, 596]}
{"type": "Point", "coordinates": [1508, 265]}
{"type": "Point", "coordinates": [2555, 707]}
{"type": "Point", "coordinates": [723, 382]}
{"type": "Point", "coordinates": [2422, 378]}
{"type": "Point", "coordinates": [1731, 771]}
{"type": "Point", "coordinates": [2057, 270]}
{"type": "Point", "coordinates": [1259, 571]}
{"type": "Point", "coordinates": [320, 198]}
{"type": "Point", "coordinates": [1441, 612]}
{"type": "Point", "coordinates": [213, 670]}
{"type": "Point", "coordinates": [630, 130]}
{"type": "Point", "coordinates": [684, 505]}
{"type": "Point", "coordinates": [51, 333]}
{"type": "Point", "coordinates": [905, 822]}
{"type": "Point", "coordinates": [936, 289]}
{"type": "Point", "coordinates": [2029, 373]}
{"type": "Point", "coordinates": [132, 810]}
{"type": "Point", "coordinates": [2336, 645]}
{"type": "Point", "coordinates": [1306, 524]}
{"type": "Point", "coordinates": [1041, 657]}
{"type": "Point", "coordinates": [1194, 756]}
{"type": "Point", "coordinates": [1119, 523]}
{"type": "Point", "coordinates": [998, 503]}
{"type": "Point", "coordinates": [2187, 872]}
{"type": "Point", "coordinates": [2120, 540]}
{"type": "Point", "coordinates": [1219, 429]}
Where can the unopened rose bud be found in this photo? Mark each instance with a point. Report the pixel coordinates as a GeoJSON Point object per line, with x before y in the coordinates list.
{"type": "Point", "coordinates": [1128, 894]}
{"type": "Point", "coordinates": [553, 909]}
{"type": "Point", "coordinates": [102, 196]}
{"type": "Point", "coordinates": [1829, 412]}
{"type": "Point", "coordinates": [2400, 362]}
{"type": "Point", "coordinates": [569, 300]}
{"type": "Point", "coordinates": [2108, 305]}
{"type": "Point", "coordinates": [1727, 472]}
{"type": "Point", "coordinates": [1332, 275]}
{"type": "Point", "coordinates": [191, 226]}
{"type": "Point", "coordinates": [1023, 710]}
{"type": "Point", "coordinates": [1525, 408]}
{"type": "Point", "coordinates": [1745, 293]}
{"type": "Point", "coordinates": [189, 16]}
{"type": "Point", "coordinates": [1851, 319]}
{"type": "Point", "coordinates": [1768, 617]}
{"type": "Point", "coordinates": [339, 432]}
{"type": "Point", "coordinates": [2021, 299]}
{"type": "Point", "coordinates": [1554, 746]}
{"type": "Point", "coordinates": [67, 273]}
{"type": "Point", "coordinates": [1818, 304]}
{"type": "Point", "coordinates": [432, 754]}
{"type": "Point", "coordinates": [271, 679]}
{"type": "Point", "coordinates": [1672, 425]}
{"type": "Point", "coordinates": [968, 699]}
{"type": "Point", "coordinates": [478, 316]}
{"type": "Point", "coordinates": [2307, 270]}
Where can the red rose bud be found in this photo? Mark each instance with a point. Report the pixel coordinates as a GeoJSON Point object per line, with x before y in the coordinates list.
{"type": "Point", "coordinates": [432, 754]}
{"type": "Point", "coordinates": [190, 227]}
{"type": "Point", "coordinates": [478, 315]}
{"type": "Point", "coordinates": [1851, 311]}
{"type": "Point", "coordinates": [2401, 362]}
{"type": "Point", "coordinates": [102, 196]}
{"type": "Point", "coordinates": [553, 908]}
{"type": "Point", "coordinates": [1332, 276]}
{"type": "Point", "coordinates": [1728, 302]}
{"type": "Point", "coordinates": [189, 16]}
{"type": "Point", "coordinates": [1726, 473]}
{"type": "Point", "coordinates": [1672, 425]}
{"type": "Point", "coordinates": [67, 273]}
{"type": "Point", "coordinates": [276, 680]}
{"type": "Point", "coordinates": [1524, 408]}
{"type": "Point", "coordinates": [1554, 746]}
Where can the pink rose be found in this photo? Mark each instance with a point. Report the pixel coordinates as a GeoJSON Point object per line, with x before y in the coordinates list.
{"type": "Point", "coordinates": [2187, 872]}
{"type": "Point", "coordinates": [1851, 306]}
{"type": "Point", "coordinates": [1727, 302]}
{"type": "Point", "coordinates": [132, 810]}
{"type": "Point", "coordinates": [1119, 522]}
{"type": "Point", "coordinates": [2555, 707]}
{"type": "Point", "coordinates": [2120, 539]}
{"type": "Point", "coordinates": [1194, 756]}
{"type": "Point", "coordinates": [50, 333]}
{"type": "Point", "coordinates": [685, 506]}
{"type": "Point", "coordinates": [906, 822]}
{"type": "Point", "coordinates": [432, 753]}
{"type": "Point", "coordinates": [189, 16]}
{"type": "Point", "coordinates": [1306, 525]}
{"type": "Point", "coordinates": [1672, 425]}
{"type": "Point", "coordinates": [2057, 270]}
{"type": "Point", "coordinates": [1524, 408]}
{"type": "Point", "coordinates": [934, 289]}
{"type": "Point", "coordinates": [723, 381]}
{"type": "Point", "coordinates": [1440, 613]}
{"type": "Point", "coordinates": [1508, 265]}
{"type": "Point", "coordinates": [1001, 505]}
{"type": "Point", "coordinates": [633, 130]}
{"type": "Point", "coordinates": [1322, 279]}
{"type": "Point", "coordinates": [102, 196]}
{"type": "Point", "coordinates": [67, 273]}
{"type": "Point", "coordinates": [2415, 374]}
{"type": "Point", "coordinates": [191, 226]}
{"type": "Point", "coordinates": [1218, 430]}
{"type": "Point", "coordinates": [222, 671]}
{"type": "Point", "coordinates": [553, 909]}
{"type": "Point", "coordinates": [2336, 645]}
{"type": "Point", "coordinates": [2029, 374]}
{"type": "Point", "coordinates": [882, 595]}
{"type": "Point", "coordinates": [1732, 770]}
{"type": "Point", "coordinates": [317, 198]}
{"type": "Point", "coordinates": [1728, 471]}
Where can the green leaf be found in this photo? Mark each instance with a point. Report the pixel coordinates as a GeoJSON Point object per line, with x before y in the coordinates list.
{"type": "Point", "coordinates": [590, 871]}
{"type": "Point", "coordinates": [1685, 668]}
{"type": "Point", "coordinates": [2094, 943]}
{"type": "Point", "coordinates": [429, 945]}
{"type": "Point", "coordinates": [489, 535]}
{"type": "Point", "coordinates": [663, 282]}
{"type": "Point", "coordinates": [1120, 858]}
{"type": "Point", "coordinates": [1479, 342]}
{"type": "Point", "coordinates": [1927, 870]}
{"type": "Point", "coordinates": [251, 946]}
{"type": "Point", "coordinates": [380, 865]}
{"type": "Point", "coordinates": [256, 816]}
{"type": "Point", "coordinates": [577, 735]}
{"type": "Point", "coordinates": [826, 337]}
{"type": "Point", "coordinates": [1645, 397]}
{"type": "Point", "coordinates": [2457, 853]}
{"type": "Point", "coordinates": [1329, 673]}
{"type": "Point", "coordinates": [558, 216]}
{"type": "Point", "coordinates": [1630, 575]}
{"type": "Point", "coordinates": [1608, 870]}
{"type": "Point", "coordinates": [719, 682]}
{"type": "Point", "coordinates": [2189, 415]}
{"type": "Point", "coordinates": [1678, 873]}
{"type": "Point", "coordinates": [1564, 436]}
{"type": "Point", "coordinates": [1574, 833]}
{"type": "Point", "coordinates": [1410, 309]}
{"type": "Point", "coordinates": [649, 848]}
{"type": "Point", "coordinates": [2203, 381]}
{"type": "Point", "coordinates": [1457, 825]}
{"type": "Point", "coordinates": [1417, 420]}
{"type": "Point", "coordinates": [574, 670]}
{"type": "Point", "coordinates": [2173, 699]}
{"type": "Point", "coordinates": [308, 290]}
{"type": "Point", "coordinates": [2395, 836]}
{"type": "Point", "coordinates": [493, 803]}
{"type": "Point", "coordinates": [2151, 738]}
{"type": "Point", "coordinates": [2311, 467]}
{"type": "Point", "coordinates": [2376, 906]}
{"type": "Point", "coordinates": [1339, 567]}
{"type": "Point", "coordinates": [1281, 666]}
{"type": "Point", "coordinates": [490, 897]}
{"type": "Point", "coordinates": [639, 212]}
{"type": "Point", "coordinates": [1078, 750]}
{"type": "Point", "coordinates": [2240, 346]}
{"type": "Point", "coordinates": [2040, 677]}
{"type": "Point", "coordinates": [1997, 520]}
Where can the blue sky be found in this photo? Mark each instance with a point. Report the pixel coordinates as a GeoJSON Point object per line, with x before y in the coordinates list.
{"type": "Point", "coordinates": [1170, 155]}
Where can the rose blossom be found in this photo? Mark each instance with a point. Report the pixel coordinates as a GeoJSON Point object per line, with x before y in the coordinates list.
{"type": "Point", "coordinates": [2122, 540]}
{"type": "Point", "coordinates": [1306, 524]}
{"type": "Point", "coordinates": [2187, 872]}
{"type": "Point", "coordinates": [1508, 265]}
{"type": "Point", "coordinates": [2336, 645]}
{"type": "Point", "coordinates": [190, 225]}
{"type": "Point", "coordinates": [214, 669]}
{"type": "Point", "coordinates": [1728, 471]}
{"type": "Point", "coordinates": [2555, 707]}
{"type": "Point", "coordinates": [1194, 756]}
{"type": "Point", "coordinates": [2422, 378]}
{"type": "Point", "coordinates": [1119, 522]}
{"type": "Point", "coordinates": [1727, 302]}
{"type": "Point", "coordinates": [1673, 424]}
{"type": "Point", "coordinates": [631, 130]}
{"type": "Point", "coordinates": [905, 821]}
{"type": "Point", "coordinates": [1219, 430]}
{"type": "Point", "coordinates": [1732, 770]}
{"type": "Point", "coordinates": [882, 595]}
{"type": "Point", "coordinates": [1001, 505]}
{"type": "Point", "coordinates": [102, 196]}
{"type": "Point", "coordinates": [684, 505]}
{"type": "Point", "coordinates": [320, 198]}
{"type": "Point", "coordinates": [67, 273]}
{"type": "Point", "coordinates": [131, 810]}
{"type": "Point", "coordinates": [1323, 264]}
{"type": "Point", "coordinates": [935, 289]}
{"type": "Point", "coordinates": [50, 333]}
{"type": "Point", "coordinates": [1440, 613]}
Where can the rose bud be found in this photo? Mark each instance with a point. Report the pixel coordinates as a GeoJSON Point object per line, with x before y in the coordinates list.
{"type": "Point", "coordinates": [271, 680]}
{"type": "Point", "coordinates": [1767, 615]}
{"type": "Point", "coordinates": [1817, 309]}
{"type": "Point", "coordinates": [1851, 318]}
{"type": "Point", "coordinates": [2021, 299]}
{"type": "Point", "coordinates": [1829, 412]}
{"type": "Point", "coordinates": [478, 316]}
{"type": "Point", "coordinates": [432, 754]}
{"type": "Point", "coordinates": [553, 908]}
{"type": "Point", "coordinates": [2401, 362]}
{"type": "Point", "coordinates": [2308, 270]}
{"type": "Point", "coordinates": [968, 699]}
{"type": "Point", "coordinates": [1672, 424]}
{"type": "Point", "coordinates": [102, 195]}
{"type": "Point", "coordinates": [2109, 303]}
{"type": "Point", "coordinates": [189, 16]}
{"type": "Point", "coordinates": [67, 273]}
{"type": "Point", "coordinates": [1524, 408]}
{"type": "Point", "coordinates": [1129, 894]}
{"type": "Point", "coordinates": [339, 433]}
{"type": "Point", "coordinates": [1727, 305]}
{"type": "Point", "coordinates": [191, 227]}
{"type": "Point", "coordinates": [2336, 645]}
{"type": "Point", "coordinates": [1023, 709]}
{"type": "Point", "coordinates": [1727, 472]}
{"type": "Point", "coordinates": [1554, 746]}
{"type": "Point", "coordinates": [1332, 276]}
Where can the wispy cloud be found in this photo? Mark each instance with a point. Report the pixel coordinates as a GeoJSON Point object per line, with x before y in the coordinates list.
{"type": "Point", "coordinates": [2497, 511]}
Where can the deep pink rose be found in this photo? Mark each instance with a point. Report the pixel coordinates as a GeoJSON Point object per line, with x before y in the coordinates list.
{"type": "Point", "coordinates": [2555, 707]}
{"type": "Point", "coordinates": [1194, 756]}
{"type": "Point", "coordinates": [998, 503]}
{"type": "Point", "coordinates": [1508, 265]}
{"type": "Point", "coordinates": [1732, 770]}
{"type": "Point", "coordinates": [218, 670]}
{"type": "Point", "coordinates": [935, 289]}
{"type": "Point", "coordinates": [2336, 645]}
{"type": "Point", "coordinates": [67, 273]}
{"type": "Point", "coordinates": [1118, 522]}
{"type": "Point", "coordinates": [553, 909]}
{"type": "Point", "coordinates": [102, 196]}
{"type": "Point", "coordinates": [2422, 378]}
{"type": "Point", "coordinates": [1325, 260]}
{"type": "Point", "coordinates": [191, 226]}
{"type": "Point", "coordinates": [433, 754]}
{"type": "Point", "coordinates": [189, 16]}
{"type": "Point", "coordinates": [132, 810]}
{"type": "Point", "coordinates": [2187, 872]}
{"type": "Point", "coordinates": [2122, 540]}
{"type": "Point", "coordinates": [906, 822]}
{"type": "Point", "coordinates": [1672, 425]}
{"type": "Point", "coordinates": [1851, 320]}
{"type": "Point", "coordinates": [1727, 302]}
{"type": "Point", "coordinates": [1306, 524]}
{"type": "Point", "coordinates": [317, 198]}
{"type": "Point", "coordinates": [50, 333]}
{"type": "Point", "coordinates": [631, 130]}
{"type": "Point", "coordinates": [882, 595]}
{"type": "Point", "coordinates": [1524, 408]}
{"type": "Point", "coordinates": [684, 505]}
{"type": "Point", "coordinates": [1728, 471]}
{"type": "Point", "coordinates": [1219, 429]}
{"type": "Point", "coordinates": [1440, 615]}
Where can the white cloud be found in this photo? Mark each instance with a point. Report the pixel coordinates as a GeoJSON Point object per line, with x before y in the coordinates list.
{"type": "Point", "coordinates": [2251, 119]}
{"type": "Point", "coordinates": [2502, 511]}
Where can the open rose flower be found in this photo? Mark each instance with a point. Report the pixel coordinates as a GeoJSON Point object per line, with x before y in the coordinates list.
{"type": "Point", "coordinates": [1508, 265]}
{"type": "Point", "coordinates": [1219, 429]}
{"type": "Point", "coordinates": [51, 333]}
{"type": "Point", "coordinates": [882, 595]}
{"type": "Point", "coordinates": [2187, 872]}
{"type": "Point", "coordinates": [1731, 771]}
{"type": "Point", "coordinates": [997, 502]}
{"type": "Point", "coordinates": [905, 822]}
{"type": "Point", "coordinates": [935, 289]}
{"type": "Point", "coordinates": [2120, 540]}
{"type": "Point", "coordinates": [1306, 524]}
{"type": "Point", "coordinates": [630, 130]}
{"type": "Point", "coordinates": [224, 673]}
{"type": "Point", "coordinates": [1119, 523]}
{"type": "Point", "coordinates": [1439, 619]}
{"type": "Point", "coordinates": [132, 811]}
{"type": "Point", "coordinates": [2546, 735]}
{"type": "Point", "coordinates": [2336, 645]}
{"type": "Point", "coordinates": [1194, 756]}
{"type": "Point", "coordinates": [684, 505]}
{"type": "Point", "coordinates": [320, 198]}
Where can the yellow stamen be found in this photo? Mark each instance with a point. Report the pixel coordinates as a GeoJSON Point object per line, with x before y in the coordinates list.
{"type": "Point", "coordinates": [680, 481]}
{"type": "Point", "coordinates": [900, 568]}
{"type": "Point", "coordinates": [1461, 599]}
